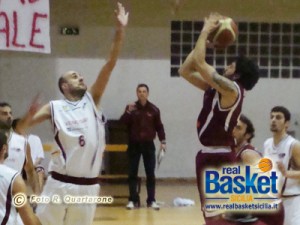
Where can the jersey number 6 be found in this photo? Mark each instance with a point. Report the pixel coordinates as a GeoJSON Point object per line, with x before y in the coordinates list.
{"type": "Point", "coordinates": [81, 140]}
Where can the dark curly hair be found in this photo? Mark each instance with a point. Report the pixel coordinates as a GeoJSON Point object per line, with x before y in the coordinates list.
{"type": "Point", "coordinates": [250, 128]}
{"type": "Point", "coordinates": [248, 72]}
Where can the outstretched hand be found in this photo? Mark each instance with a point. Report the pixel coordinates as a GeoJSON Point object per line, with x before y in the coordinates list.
{"type": "Point", "coordinates": [121, 15]}
{"type": "Point", "coordinates": [26, 119]}
{"type": "Point", "coordinates": [34, 105]}
{"type": "Point", "coordinates": [212, 22]}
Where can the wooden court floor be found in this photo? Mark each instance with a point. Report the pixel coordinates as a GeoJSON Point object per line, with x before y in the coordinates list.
{"type": "Point", "coordinates": [166, 192]}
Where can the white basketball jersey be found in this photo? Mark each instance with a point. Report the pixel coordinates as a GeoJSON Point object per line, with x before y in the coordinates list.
{"type": "Point", "coordinates": [8, 213]}
{"type": "Point", "coordinates": [79, 134]}
{"type": "Point", "coordinates": [282, 152]}
{"type": "Point", "coordinates": [16, 152]}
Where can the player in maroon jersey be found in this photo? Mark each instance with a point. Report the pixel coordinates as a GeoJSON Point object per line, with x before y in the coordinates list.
{"type": "Point", "coordinates": [222, 104]}
{"type": "Point", "coordinates": [243, 132]}
{"type": "Point", "coordinates": [246, 154]}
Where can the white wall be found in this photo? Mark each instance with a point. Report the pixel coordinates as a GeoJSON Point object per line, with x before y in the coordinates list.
{"type": "Point", "coordinates": [144, 58]}
{"type": "Point", "coordinates": [179, 101]}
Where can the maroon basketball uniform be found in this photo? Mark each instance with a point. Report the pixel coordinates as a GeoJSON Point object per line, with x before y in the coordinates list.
{"type": "Point", "coordinates": [214, 126]}
{"type": "Point", "coordinates": [247, 146]}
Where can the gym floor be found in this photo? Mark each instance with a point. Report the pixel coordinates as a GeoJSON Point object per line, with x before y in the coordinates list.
{"type": "Point", "coordinates": [166, 192]}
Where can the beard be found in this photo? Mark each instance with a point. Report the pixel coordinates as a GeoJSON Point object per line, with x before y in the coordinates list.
{"type": "Point", "coordinates": [78, 92]}
{"type": "Point", "coordinates": [5, 155]}
{"type": "Point", "coordinates": [5, 125]}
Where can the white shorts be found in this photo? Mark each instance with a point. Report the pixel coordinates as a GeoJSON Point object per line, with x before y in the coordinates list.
{"type": "Point", "coordinates": [291, 210]}
{"type": "Point", "coordinates": [66, 214]}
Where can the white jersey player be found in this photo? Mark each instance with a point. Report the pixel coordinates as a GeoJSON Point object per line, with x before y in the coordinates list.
{"type": "Point", "coordinates": [74, 167]}
{"type": "Point", "coordinates": [79, 133]}
{"type": "Point", "coordinates": [19, 157]}
{"type": "Point", "coordinates": [11, 186]}
{"type": "Point", "coordinates": [284, 151]}
{"type": "Point", "coordinates": [17, 145]}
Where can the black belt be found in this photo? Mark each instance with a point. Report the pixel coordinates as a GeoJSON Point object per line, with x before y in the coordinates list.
{"type": "Point", "coordinates": [74, 180]}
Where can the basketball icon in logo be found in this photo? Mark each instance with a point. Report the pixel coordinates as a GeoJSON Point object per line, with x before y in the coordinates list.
{"type": "Point", "coordinates": [265, 165]}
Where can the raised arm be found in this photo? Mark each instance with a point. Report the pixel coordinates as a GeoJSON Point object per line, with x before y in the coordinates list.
{"type": "Point", "coordinates": [188, 71]}
{"type": "Point", "coordinates": [222, 84]}
{"type": "Point", "coordinates": [98, 87]}
{"type": "Point", "coordinates": [32, 176]}
{"type": "Point", "coordinates": [33, 117]}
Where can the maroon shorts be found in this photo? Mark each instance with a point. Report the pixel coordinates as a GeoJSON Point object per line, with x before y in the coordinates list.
{"type": "Point", "coordinates": [210, 160]}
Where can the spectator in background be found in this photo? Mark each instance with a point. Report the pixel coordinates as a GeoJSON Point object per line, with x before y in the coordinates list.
{"type": "Point", "coordinates": [143, 121]}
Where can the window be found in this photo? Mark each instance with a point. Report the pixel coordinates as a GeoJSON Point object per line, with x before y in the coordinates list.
{"type": "Point", "coordinates": [275, 47]}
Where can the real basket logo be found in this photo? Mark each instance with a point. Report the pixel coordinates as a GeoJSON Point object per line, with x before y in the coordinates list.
{"type": "Point", "coordinates": [265, 165]}
{"type": "Point", "coordinates": [241, 183]}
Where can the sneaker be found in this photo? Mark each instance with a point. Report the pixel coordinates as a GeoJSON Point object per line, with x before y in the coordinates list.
{"type": "Point", "coordinates": [130, 205]}
{"type": "Point", "coordinates": [154, 205]}
{"type": "Point", "coordinates": [248, 219]}
{"type": "Point", "coordinates": [242, 218]}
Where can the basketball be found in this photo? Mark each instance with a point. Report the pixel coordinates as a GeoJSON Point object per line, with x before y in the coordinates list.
{"type": "Point", "coordinates": [265, 165]}
{"type": "Point", "coordinates": [225, 34]}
